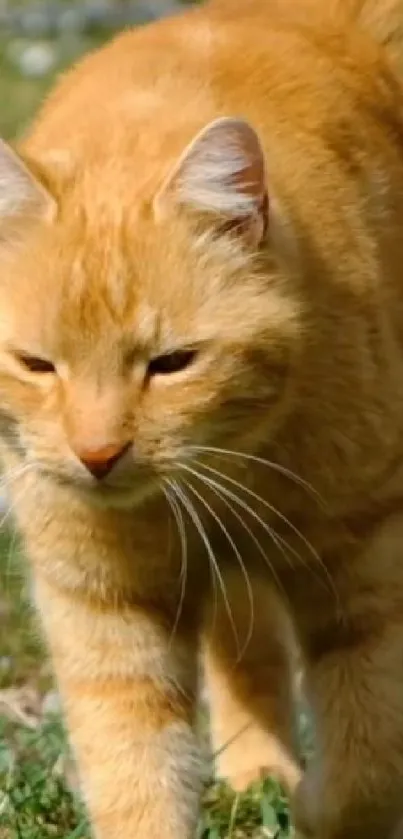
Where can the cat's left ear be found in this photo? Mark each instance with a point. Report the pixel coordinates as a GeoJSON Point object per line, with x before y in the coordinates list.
{"type": "Point", "coordinates": [22, 195]}
{"type": "Point", "coordinates": [222, 174]}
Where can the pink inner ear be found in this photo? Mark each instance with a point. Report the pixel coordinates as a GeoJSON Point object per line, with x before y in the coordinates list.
{"type": "Point", "coordinates": [221, 172]}
{"type": "Point", "coordinates": [242, 226]}
{"type": "Point", "coordinates": [251, 179]}
{"type": "Point", "coordinates": [21, 191]}
{"type": "Point", "coordinates": [264, 213]}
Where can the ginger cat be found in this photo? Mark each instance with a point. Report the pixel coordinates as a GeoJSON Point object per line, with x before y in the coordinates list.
{"type": "Point", "coordinates": [201, 391]}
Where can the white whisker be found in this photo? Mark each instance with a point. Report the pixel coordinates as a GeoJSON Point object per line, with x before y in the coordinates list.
{"type": "Point", "coordinates": [268, 506]}
{"type": "Point", "coordinates": [224, 495]}
{"type": "Point", "coordinates": [276, 467]}
{"type": "Point", "coordinates": [214, 564]}
{"type": "Point", "coordinates": [177, 513]}
{"type": "Point", "coordinates": [10, 477]}
{"type": "Point", "coordinates": [276, 537]}
{"type": "Point", "coordinates": [239, 558]}
{"type": "Point", "coordinates": [10, 509]}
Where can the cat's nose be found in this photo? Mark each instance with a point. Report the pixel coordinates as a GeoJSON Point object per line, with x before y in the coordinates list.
{"type": "Point", "coordinates": [100, 461]}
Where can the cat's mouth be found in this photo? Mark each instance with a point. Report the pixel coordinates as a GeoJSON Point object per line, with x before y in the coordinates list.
{"type": "Point", "coordinates": [118, 498]}
{"type": "Point", "coordinates": [122, 496]}
{"type": "Point", "coordinates": [109, 492]}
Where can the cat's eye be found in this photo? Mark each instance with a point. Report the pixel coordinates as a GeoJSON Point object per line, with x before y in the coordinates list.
{"type": "Point", "coordinates": [172, 362]}
{"type": "Point", "coordinates": [35, 364]}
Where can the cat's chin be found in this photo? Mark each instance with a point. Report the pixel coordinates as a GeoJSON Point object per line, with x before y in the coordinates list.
{"type": "Point", "coordinates": [118, 498]}
{"type": "Point", "coordinates": [106, 496]}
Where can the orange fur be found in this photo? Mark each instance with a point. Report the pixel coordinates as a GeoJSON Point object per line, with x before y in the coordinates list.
{"type": "Point", "coordinates": [201, 258]}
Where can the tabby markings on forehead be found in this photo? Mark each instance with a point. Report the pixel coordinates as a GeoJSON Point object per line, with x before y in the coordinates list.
{"type": "Point", "coordinates": [146, 322]}
{"type": "Point", "coordinates": [112, 287]}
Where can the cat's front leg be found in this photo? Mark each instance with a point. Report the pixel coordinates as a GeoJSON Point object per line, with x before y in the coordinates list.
{"type": "Point", "coordinates": [249, 682]}
{"type": "Point", "coordinates": [128, 687]}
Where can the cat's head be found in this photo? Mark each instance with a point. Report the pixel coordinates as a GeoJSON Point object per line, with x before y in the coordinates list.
{"type": "Point", "coordinates": [136, 331]}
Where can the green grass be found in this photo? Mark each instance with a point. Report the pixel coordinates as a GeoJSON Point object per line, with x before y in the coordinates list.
{"type": "Point", "coordinates": [20, 94]}
{"type": "Point", "coordinates": [35, 801]}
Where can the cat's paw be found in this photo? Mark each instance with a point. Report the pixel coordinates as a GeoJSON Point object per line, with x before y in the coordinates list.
{"type": "Point", "coordinates": [242, 780]}
{"type": "Point", "coordinates": [288, 775]}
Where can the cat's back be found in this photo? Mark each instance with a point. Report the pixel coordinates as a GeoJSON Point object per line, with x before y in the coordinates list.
{"type": "Point", "coordinates": [326, 106]}
{"type": "Point", "coordinates": [261, 60]}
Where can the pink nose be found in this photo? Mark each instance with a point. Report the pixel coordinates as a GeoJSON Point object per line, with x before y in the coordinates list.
{"type": "Point", "coordinates": [100, 461]}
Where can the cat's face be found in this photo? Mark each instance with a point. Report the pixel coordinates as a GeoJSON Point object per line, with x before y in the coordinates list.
{"type": "Point", "coordinates": [128, 342]}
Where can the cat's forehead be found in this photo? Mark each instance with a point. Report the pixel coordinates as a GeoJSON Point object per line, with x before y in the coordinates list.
{"type": "Point", "coordinates": [113, 294]}
{"type": "Point", "coordinates": [99, 285]}
{"type": "Point", "coordinates": [123, 259]}
{"type": "Point", "coordinates": [107, 272]}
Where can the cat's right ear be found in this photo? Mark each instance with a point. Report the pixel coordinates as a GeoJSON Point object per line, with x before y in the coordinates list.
{"type": "Point", "coordinates": [221, 177]}
{"type": "Point", "coordinates": [22, 195]}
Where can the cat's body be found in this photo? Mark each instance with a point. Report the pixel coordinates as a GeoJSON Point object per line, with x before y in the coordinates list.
{"type": "Point", "coordinates": [211, 306]}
